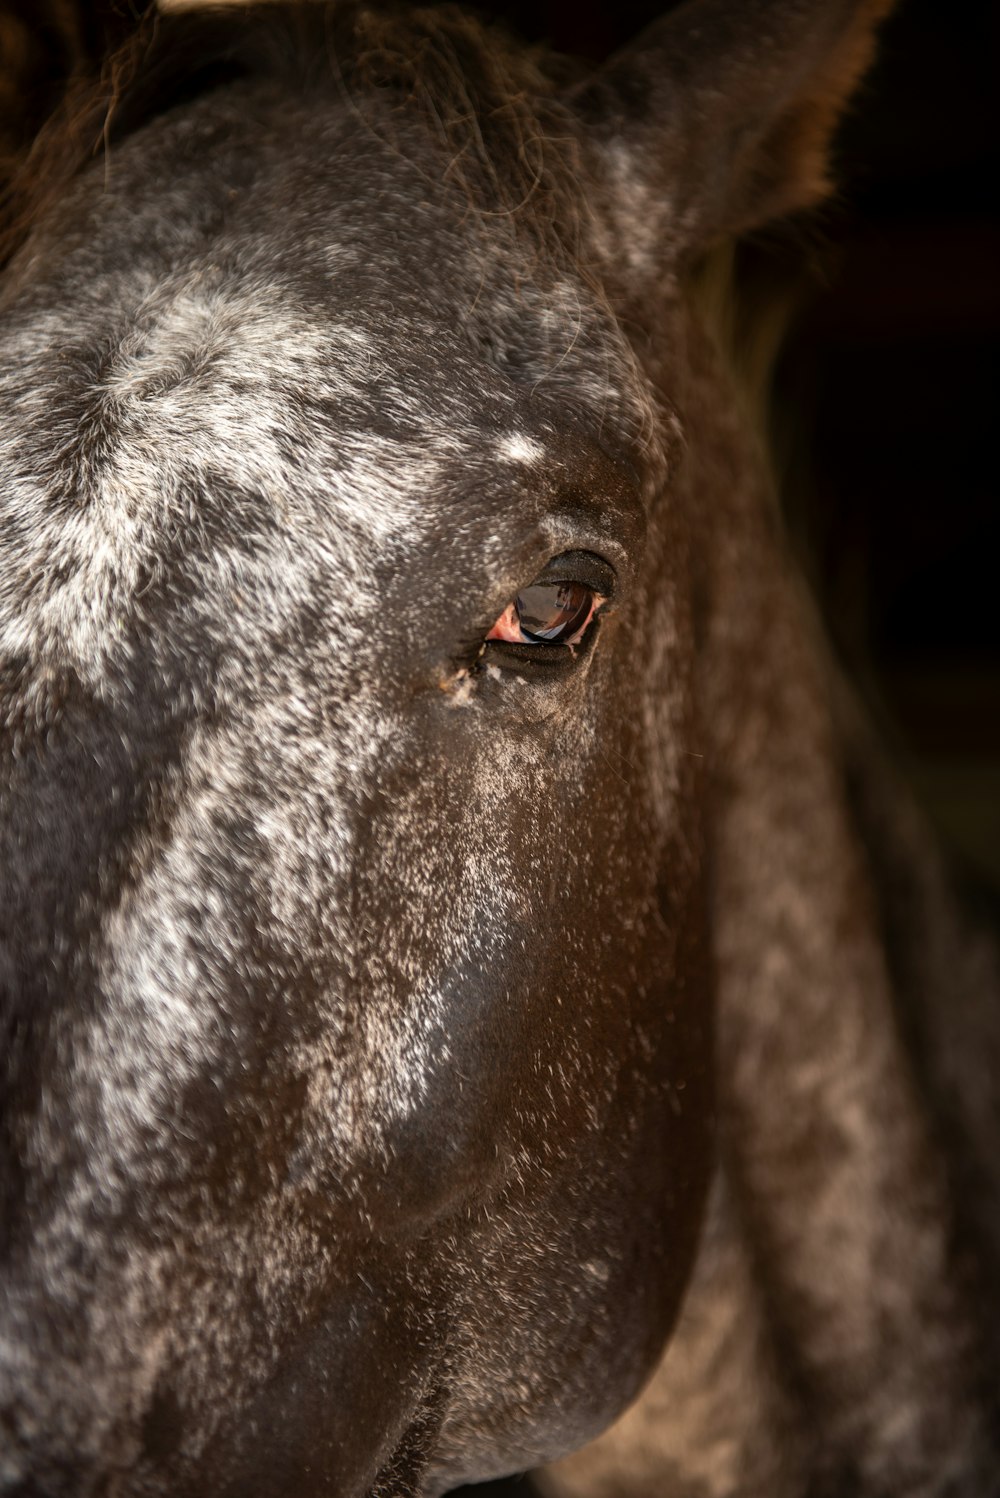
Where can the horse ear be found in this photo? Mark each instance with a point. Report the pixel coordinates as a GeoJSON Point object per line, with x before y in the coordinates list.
{"type": "Point", "coordinates": [718, 118]}
{"type": "Point", "coordinates": [46, 46]}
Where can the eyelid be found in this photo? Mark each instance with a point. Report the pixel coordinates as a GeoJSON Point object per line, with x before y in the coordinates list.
{"type": "Point", "coordinates": [583, 567]}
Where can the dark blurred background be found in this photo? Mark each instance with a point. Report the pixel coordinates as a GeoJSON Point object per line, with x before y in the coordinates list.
{"type": "Point", "coordinates": [885, 397]}
{"type": "Point", "coordinates": [894, 369]}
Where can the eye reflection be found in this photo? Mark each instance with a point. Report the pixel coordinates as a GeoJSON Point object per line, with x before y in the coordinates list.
{"type": "Point", "coordinates": [549, 613]}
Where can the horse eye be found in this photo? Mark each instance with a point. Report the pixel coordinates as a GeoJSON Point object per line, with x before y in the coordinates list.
{"type": "Point", "coordinates": [547, 613]}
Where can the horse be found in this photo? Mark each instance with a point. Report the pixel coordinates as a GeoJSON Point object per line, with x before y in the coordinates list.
{"type": "Point", "coordinates": [468, 969]}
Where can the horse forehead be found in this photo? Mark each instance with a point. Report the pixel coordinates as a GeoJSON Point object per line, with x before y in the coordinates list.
{"type": "Point", "coordinates": [239, 373]}
{"type": "Point", "coordinates": [305, 437]}
{"type": "Point", "coordinates": [296, 379]}
{"type": "Point", "coordinates": [337, 276]}
{"type": "Point", "coordinates": [278, 398]}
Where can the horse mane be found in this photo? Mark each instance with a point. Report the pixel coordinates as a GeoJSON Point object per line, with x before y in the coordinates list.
{"type": "Point", "coordinates": [492, 106]}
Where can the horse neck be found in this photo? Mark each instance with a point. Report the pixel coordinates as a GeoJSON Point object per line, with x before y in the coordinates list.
{"type": "Point", "coordinates": [826, 1343]}
{"type": "Point", "coordinates": [832, 1149]}
{"type": "Point", "coordinates": [941, 934]}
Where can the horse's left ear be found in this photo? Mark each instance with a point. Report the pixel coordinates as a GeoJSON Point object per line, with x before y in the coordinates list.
{"type": "Point", "coordinates": [718, 118]}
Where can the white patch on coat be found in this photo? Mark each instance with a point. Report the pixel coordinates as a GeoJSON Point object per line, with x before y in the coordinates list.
{"type": "Point", "coordinates": [204, 388]}
{"type": "Point", "coordinates": [518, 448]}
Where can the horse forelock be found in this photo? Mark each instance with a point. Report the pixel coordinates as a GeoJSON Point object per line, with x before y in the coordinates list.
{"type": "Point", "coordinates": [493, 107]}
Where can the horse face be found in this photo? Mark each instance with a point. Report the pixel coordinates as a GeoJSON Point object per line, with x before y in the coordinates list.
{"type": "Point", "coordinates": [357, 1112]}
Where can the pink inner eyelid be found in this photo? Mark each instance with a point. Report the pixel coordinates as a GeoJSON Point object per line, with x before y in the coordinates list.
{"type": "Point", "coordinates": [508, 626]}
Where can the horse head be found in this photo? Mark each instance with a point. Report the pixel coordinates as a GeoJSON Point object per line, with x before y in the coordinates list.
{"type": "Point", "coordinates": [378, 607]}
